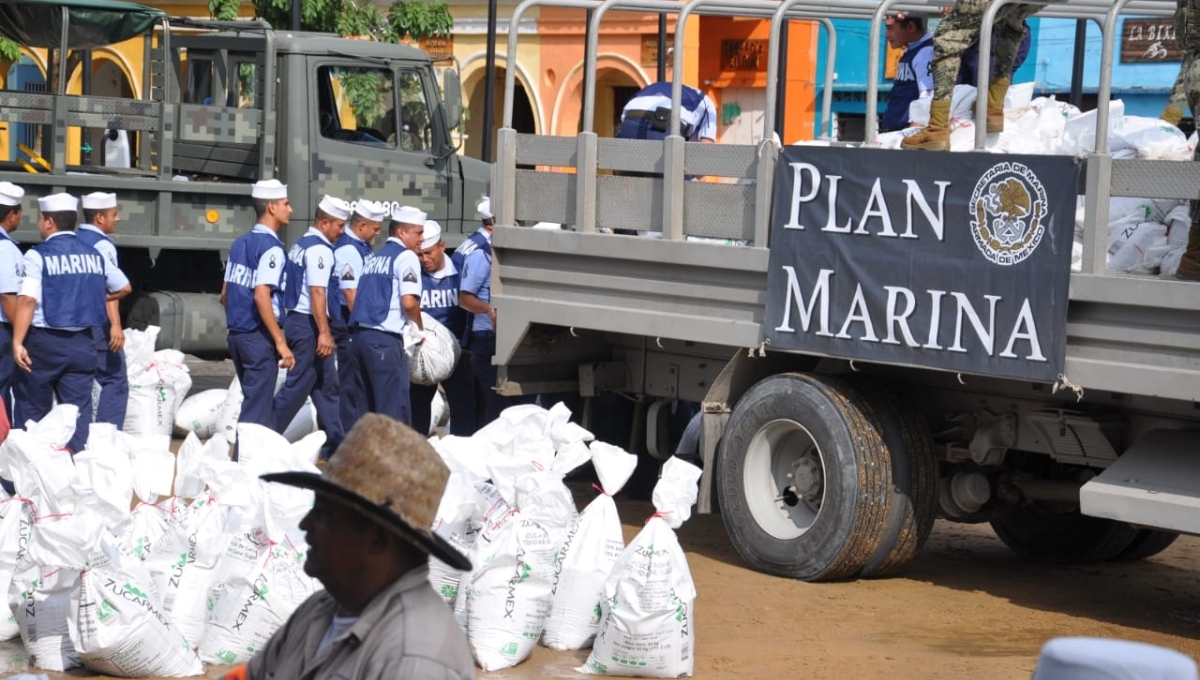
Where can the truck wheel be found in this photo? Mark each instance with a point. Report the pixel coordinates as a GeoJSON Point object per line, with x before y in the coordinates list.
{"type": "Point", "coordinates": [1037, 532]}
{"type": "Point", "coordinates": [914, 479]}
{"type": "Point", "coordinates": [1147, 543]}
{"type": "Point", "coordinates": [803, 479]}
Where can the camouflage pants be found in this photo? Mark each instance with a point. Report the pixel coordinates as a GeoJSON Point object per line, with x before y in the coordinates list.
{"type": "Point", "coordinates": [960, 29]}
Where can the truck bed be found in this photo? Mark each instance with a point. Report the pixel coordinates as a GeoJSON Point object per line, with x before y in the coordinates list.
{"type": "Point", "coordinates": [1126, 334]}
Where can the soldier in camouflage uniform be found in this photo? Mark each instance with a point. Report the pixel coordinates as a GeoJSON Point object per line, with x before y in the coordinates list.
{"type": "Point", "coordinates": [1187, 86]}
{"type": "Point", "coordinates": [957, 32]}
{"type": "Point", "coordinates": [1177, 103]}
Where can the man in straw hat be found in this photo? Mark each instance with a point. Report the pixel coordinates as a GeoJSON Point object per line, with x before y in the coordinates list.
{"type": "Point", "coordinates": [369, 543]}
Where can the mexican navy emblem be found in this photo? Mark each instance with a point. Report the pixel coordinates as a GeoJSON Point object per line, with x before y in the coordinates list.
{"type": "Point", "coordinates": [1008, 211]}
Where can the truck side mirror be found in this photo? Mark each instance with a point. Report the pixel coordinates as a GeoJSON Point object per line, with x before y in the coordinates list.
{"type": "Point", "coordinates": [452, 99]}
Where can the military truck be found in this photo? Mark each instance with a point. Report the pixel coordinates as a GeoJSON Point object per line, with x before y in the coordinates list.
{"type": "Point", "coordinates": [227, 104]}
{"type": "Point", "coordinates": [884, 349]}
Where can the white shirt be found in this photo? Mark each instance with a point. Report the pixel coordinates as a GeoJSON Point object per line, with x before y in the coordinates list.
{"type": "Point", "coordinates": [12, 268]}
{"type": "Point", "coordinates": [348, 263]}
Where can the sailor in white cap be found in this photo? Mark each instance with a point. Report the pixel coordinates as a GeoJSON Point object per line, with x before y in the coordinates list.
{"type": "Point", "coordinates": [100, 218]}
{"type": "Point", "coordinates": [474, 259]}
{"type": "Point", "coordinates": [350, 254]}
{"type": "Point", "coordinates": [11, 269]}
{"type": "Point", "coordinates": [61, 303]}
{"type": "Point", "coordinates": [253, 299]}
{"type": "Point", "coordinates": [388, 298]}
{"type": "Point", "coordinates": [1086, 658]}
{"type": "Point", "coordinates": [306, 298]}
{"type": "Point", "coordinates": [439, 298]}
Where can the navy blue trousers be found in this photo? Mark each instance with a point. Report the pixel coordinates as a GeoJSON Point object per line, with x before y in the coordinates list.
{"type": "Point", "coordinates": [64, 366]}
{"type": "Point", "coordinates": [114, 382]}
{"type": "Point", "coordinates": [460, 398]}
{"type": "Point", "coordinates": [380, 374]}
{"type": "Point", "coordinates": [257, 367]}
{"type": "Point", "coordinates": [7, 369]}
{"type": "Point", "coordinates": [312, 375]}
{"type": "Point", "coordinates": [349, 397]}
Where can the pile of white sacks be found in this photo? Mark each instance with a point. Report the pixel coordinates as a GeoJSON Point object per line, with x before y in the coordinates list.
{"type": "Point", "coordinates": [208, 564]}
{"type": "Point", "coordinates": [544, 572]}
{"type": "Point", "coordinates": [1145, 236]}
{"type": "Point", "coordinates": [181, 578]}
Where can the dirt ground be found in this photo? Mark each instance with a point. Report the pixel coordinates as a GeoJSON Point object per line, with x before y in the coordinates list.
{"type": "Point", "coordinates": [965, 608]}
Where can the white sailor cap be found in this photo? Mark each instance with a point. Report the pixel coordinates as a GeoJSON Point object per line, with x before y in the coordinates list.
{"type": "Point", "coordinates": [1085, 658]}
{"type": "Point", "coordinates": [10, 194]}
{"type": "Point", "coordinates": [269, 190]}
{"type": "Point", "coordinates": [58, 203]}
{"type": "Point", "coordinates": [432, 234]}
{"type": "Point", "coordinates": [485, 208]}
{"type": "Point", "coordinates": [406, 214]}
{"type": "Point", "coordinates": [370, 210]}
{"type": "Point", "coordinates": [99, 201]}
{"type": "Point", "coordinates": [334, 207]}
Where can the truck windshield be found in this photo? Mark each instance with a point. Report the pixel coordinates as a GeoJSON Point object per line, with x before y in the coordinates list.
{"type": "Point", "coordinates": [357, 105]}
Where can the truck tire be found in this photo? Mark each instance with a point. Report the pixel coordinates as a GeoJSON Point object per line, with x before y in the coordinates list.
{"type": "Point", "coordinates": [803, 479]}
{"type": "Point", "coordinates": [1036, 532]}
{"type": "Point", "coordinates": [1147, 543]}
{"type": "Point", "coordinates": [914, 478]}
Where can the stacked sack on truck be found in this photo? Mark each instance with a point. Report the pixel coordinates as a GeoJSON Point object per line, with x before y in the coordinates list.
{"type": "Point", "coordinates": [1146, 236]}
{"type": "Point", "coordinates": [542, 572]}
{"type": "Point", "coordinates": [180, 579]}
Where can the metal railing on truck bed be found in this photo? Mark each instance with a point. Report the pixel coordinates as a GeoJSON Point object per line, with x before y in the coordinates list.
{"type": "Point", "coordinates": [1125, 334]}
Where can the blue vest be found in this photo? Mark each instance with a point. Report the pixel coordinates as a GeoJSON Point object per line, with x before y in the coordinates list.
{"type": "Point", "coordinates": [244, 254]}
{"type": "Point", "coordinates": [297, 263]}
{"type": "Point", "coordinates": [91, 237]}
{"type": "Point", "coordinates": [73, 283]}
{"type": "Point", "coordinates": [476, 241]}
{"type": "Point", "coordinates": [337, 300]}
{"type": "Point", "coordinates": [439, 297]}
{"type": "Point", "coordinates": [905, 89]}
{"type": "Point", "coordinates": [376, 287]}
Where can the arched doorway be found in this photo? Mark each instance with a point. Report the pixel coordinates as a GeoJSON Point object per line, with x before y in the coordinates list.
{"type": "Point", "coordinates": [524, 119]}
{"type": "Point", "coordinates": [25, 76]}
{"type": "Point", "coordinates": [614, 88]}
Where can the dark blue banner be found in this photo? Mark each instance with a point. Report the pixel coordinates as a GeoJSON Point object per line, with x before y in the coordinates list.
{"type": "Point", "coordinates": [954, 261]}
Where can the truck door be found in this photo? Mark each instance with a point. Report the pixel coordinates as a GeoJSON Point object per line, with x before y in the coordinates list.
{"type": "Point", "coordinates": [375, 135]}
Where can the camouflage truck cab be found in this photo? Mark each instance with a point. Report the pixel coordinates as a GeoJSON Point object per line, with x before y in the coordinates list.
{"type": "Point", "coordinates": [228, 104]}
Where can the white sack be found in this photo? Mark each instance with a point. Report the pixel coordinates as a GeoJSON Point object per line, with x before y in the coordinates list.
{"type": "Point", "coordinates": [508, 593]}
{"type": "Point", "coordinates": [303, 423]}
{"type": "Point", "coordinates": [1132, 256]}
{"type": "Point", "coordinates": [647, 619]}
{"type": "Point", "coordinates": [1149, 139]}
{"type": "Point", "coordinates": [433, 360]}
{"type": "Point", "coordinates": [231, 410]}
{"type": "Point", "coordinates": [200, 413]}
{"type": "Point", "coordinates": [153, 466]}
{"type": "Point", "coordinates": [104, 474]}
{"type": "Point", "coordinates": [158, 383]}
{"type": "Point", "coordinates": [41, 598]}
{"type": "Point", "coordinates": [588, 555]}
{"type": "Point", "coordinates": [189, 463]}
{"type": "Point", "coordinates": [16, 529]}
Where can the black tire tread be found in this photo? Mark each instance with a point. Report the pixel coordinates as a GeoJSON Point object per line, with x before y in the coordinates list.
{"type": "Point", "coordinates": [1148, 543]}
{"type": "Point", "coordinates": [1063, 539]}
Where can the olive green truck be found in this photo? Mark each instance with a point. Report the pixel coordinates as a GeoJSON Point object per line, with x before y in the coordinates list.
{"type": "Point", "coordinates": [226, 105]}
{"type": "Point", "coordinates": [876, 338]}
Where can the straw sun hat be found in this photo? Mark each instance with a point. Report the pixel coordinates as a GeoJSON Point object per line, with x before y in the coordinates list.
{"type": "Point", "coordinates": [390, 474]}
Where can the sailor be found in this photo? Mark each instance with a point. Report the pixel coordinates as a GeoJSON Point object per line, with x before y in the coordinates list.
{"type": "Point", "coordinates": [100, 218]}
{"type": "Point", "coordinates": [388, 299]}
{"type": "Point", "coordinates": [350, 254]}
{"type": "Point", "coordinates": [648, 114]}
{"type": "Point", "coordinates": [252, 296]}
{"type": "Point", "coordinates": [61, 302]}
{"type": "Point", "coordinates": [306, 326]}
{"type": "Point", "coordinates": [10, 281]}
{"type": "Point", "coordinates": [474, 259]}
{"type": "Point", "coordinates": [439, 298]}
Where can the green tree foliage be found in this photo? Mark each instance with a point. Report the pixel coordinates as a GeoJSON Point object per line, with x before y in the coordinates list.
{"type": "Point", "coordinates": [9, 50]}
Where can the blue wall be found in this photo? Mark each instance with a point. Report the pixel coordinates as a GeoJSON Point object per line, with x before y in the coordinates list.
{"type": "Point", "coordinates": [1143, 87]}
